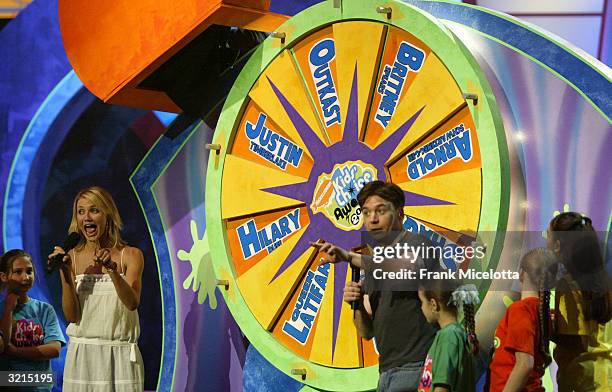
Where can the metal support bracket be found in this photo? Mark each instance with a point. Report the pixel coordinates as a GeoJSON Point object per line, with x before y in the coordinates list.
{"type": "Point", "coordinates": [224, 283]}
{"type": "Point", "coordinates": [471, 96]}
{"type": "Point", "coordinates": [299, 372]}
{"type": "Point", "coordinates": [279, 35]}
{"type": "Point", "coordinates": [214, 147]}
{"type": "Point", "coordinates": [385, 10]}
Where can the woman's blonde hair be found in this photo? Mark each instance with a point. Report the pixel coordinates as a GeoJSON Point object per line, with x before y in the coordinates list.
{"type": "Point", "coordinates": [111, 234]}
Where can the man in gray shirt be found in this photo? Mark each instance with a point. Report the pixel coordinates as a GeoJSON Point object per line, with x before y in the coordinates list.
{"type": "Point", "coordinates": [393, 318]}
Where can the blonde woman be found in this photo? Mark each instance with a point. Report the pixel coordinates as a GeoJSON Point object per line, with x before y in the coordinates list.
{"type": "Point", "coordinates": [101, 284]}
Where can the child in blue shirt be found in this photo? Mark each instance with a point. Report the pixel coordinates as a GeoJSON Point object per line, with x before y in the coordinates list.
{"type": "Point", "coordinates": [30, 331]}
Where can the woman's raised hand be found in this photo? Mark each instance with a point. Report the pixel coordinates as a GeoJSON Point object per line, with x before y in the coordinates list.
{"type": "Point", "coordinates": [66, 264]}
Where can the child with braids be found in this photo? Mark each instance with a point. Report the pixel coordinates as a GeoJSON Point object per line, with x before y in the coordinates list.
{"type": "Point", "coordinates": [449, 365]}
{"type": "Point", "coordinates": [522, 336]}
{"type": "Point", "coordinates": [583, 307]}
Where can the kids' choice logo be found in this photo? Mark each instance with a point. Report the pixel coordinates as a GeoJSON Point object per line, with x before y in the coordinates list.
{"type": "Point", "coordinates": [426, 376]}
{"type": "Point", "coordinates": [320, 57]}
{"type": "Point", "coordinates": [306, 308]}
{"type": "Point", "coordinates": [336, 193]}
{"type": "Point", "coordinates": [28, 333]}
{"type": "Point", "coordinates": [408, 59]}
{"type": "Point", "coordinates": [453, 144]}
{"type": "Point", "coordinates": [270, 145]}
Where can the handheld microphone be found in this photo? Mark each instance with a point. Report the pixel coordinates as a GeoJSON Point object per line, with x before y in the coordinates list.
{"type": "Point", "coordinates": [355, 275]}
{"type": "Point", "coordinates": [70, 242]}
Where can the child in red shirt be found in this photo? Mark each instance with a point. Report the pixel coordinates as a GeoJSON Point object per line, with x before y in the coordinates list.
{"type": "Point", "coordinates": [522, 336]}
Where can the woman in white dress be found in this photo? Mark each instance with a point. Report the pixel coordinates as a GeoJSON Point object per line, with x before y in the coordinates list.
{"type": "Point", "coordinates": [101, 284]}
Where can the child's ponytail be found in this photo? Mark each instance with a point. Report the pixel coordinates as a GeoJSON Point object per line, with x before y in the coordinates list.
{"type": "Point", "coordinates": [544, 321]}
{"type": "Point", "coordinates": [540, 265]}
{"type": "Point", "coordinates": [466, 297]}
{"type": "Point", "coordinates": [469, 324]}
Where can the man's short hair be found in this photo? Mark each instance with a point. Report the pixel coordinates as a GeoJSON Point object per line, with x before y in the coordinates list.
{"type": "Point", "coordinates": [385, 190]}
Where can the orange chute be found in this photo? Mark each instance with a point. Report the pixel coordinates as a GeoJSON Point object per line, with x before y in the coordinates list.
{"type": "Point", "coordinates": [113, 45]}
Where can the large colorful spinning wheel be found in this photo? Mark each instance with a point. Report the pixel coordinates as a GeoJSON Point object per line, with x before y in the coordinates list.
{"type": "Point", "coordinates": [349, 95]}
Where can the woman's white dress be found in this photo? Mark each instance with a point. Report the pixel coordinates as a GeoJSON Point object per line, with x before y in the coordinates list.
{"type": "Point", "coordinates": [103, 352]}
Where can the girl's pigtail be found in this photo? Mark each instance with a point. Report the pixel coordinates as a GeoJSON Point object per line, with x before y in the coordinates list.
{"type": "Point", "coordinates": [541, 266]}
{"type": "Point", "coordinates": [466, 297]}
{"type": "Point", "coordinates": [544, 320]}
{"type": "Point", "coordinates": [469, 324]}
